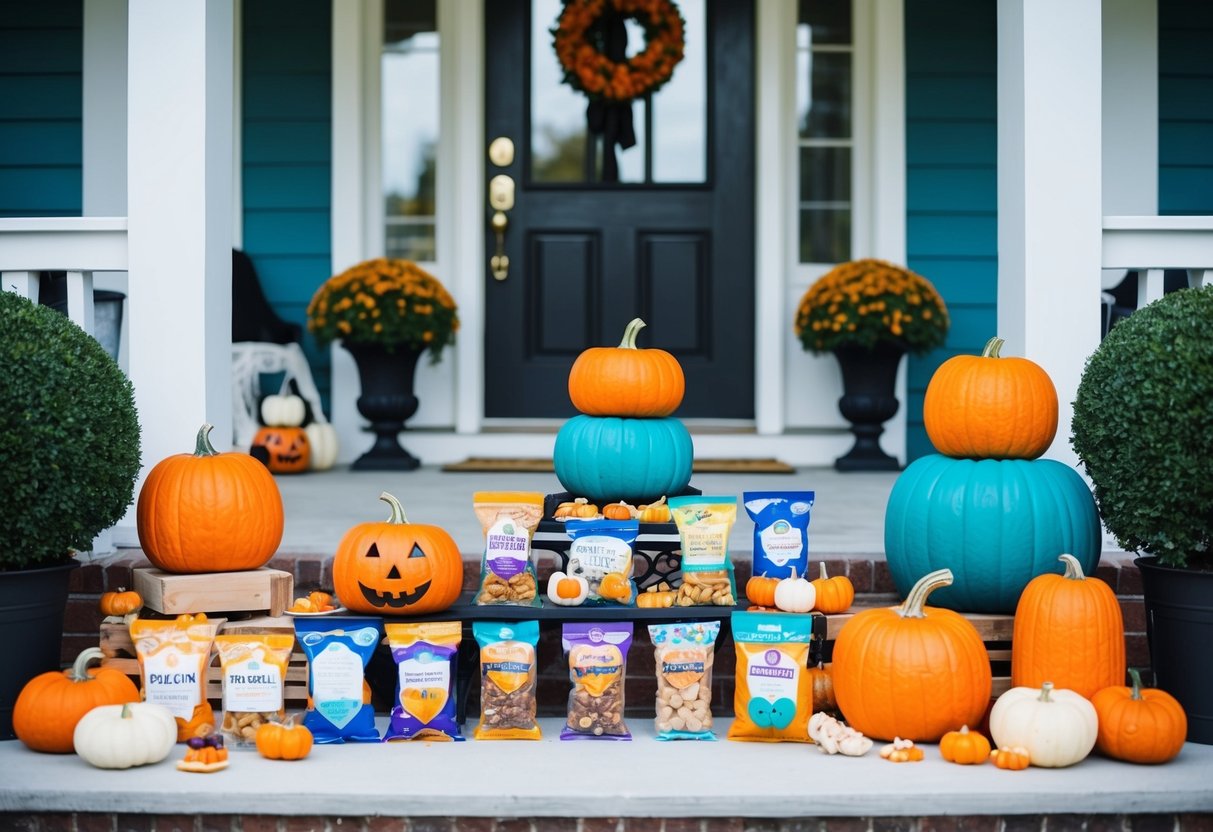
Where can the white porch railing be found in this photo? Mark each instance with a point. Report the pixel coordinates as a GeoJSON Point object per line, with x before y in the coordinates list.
{"type": "Point", "coordinates": [1151, 245]}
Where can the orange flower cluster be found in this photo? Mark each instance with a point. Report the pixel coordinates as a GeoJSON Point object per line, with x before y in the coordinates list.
{"type": "Point", "coordinates": [865, 301]}
{"type": "Point", "coordinates": [588, 70]}
{"type": "Point", "coordinates": [382, 301]}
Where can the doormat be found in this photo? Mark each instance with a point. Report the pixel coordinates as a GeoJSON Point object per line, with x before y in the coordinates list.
{"type": "Point", "coordinates": [699, 466]}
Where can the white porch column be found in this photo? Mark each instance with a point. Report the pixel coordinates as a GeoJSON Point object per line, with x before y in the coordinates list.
{"type": "Point", "coordinates": [1049, 190]}
{"type": "Point", "coordinates": [179, 143]}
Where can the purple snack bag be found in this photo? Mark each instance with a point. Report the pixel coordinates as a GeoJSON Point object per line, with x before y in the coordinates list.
{"type": "Point", "coordinates": [597, 655]}
{"type": "Point", "coordinates": [425, 654]}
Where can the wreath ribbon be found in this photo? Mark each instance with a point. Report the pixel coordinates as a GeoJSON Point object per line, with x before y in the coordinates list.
{"type": "Point", "coordinates": [610, 118]}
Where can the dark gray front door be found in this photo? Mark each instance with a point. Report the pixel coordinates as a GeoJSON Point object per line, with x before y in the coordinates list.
{"type": "Point", "coordinates": [671, 242]}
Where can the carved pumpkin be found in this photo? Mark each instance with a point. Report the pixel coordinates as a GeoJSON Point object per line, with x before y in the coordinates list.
{"type": "Point", "coordinates": [608, 458]}
{"type": "Point", "coordinates": [1068, 631]}
{"type": "Point", "coordinates": [209, 512]}
{"type": "Point", "coordinates": [287, 449]}
{"type": "Point", "coordinates": [626, 380]}
{"type": "Point", "coordinates": [397, 567]}
{"type": "Point", "coordinates": [761, 590]}
{"type": "Point", "coordinates": [51, 703]}
{"type": "Point", "coordinates": [990, 407]}
{"type": "Point", "coordinates": [911, 671]}
{"type": "Point", "coordinates": [1139, 725]}
{"type": "Point", "coordinates": [834, 595]}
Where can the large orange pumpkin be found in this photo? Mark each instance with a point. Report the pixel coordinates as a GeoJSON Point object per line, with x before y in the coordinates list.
{"type": "Point", "coordinates": [397, 567]}
{"type": "Point", "coordinates": [209, 512]}
{"type": "Point", "coordinates": [989, 407]}
{"type": "Point", "coordinates": [1139, 725]}
{"type": "Point", "coordinates": [1068, 631]}
{"type": "Point", "coordinates": [913, 671]}
{"type": "Point", "coordinates": [287, 448]}
{"type": "Point", "coordinates": [626, 380]}
{"type": "Point", "coordinates": [50, 704]}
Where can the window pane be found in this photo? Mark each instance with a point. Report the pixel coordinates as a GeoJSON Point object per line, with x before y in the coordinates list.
{"type": "Point", "coordinates": [824, 94]}
{"type": "Point", "coordinates": [830, 20]}
{"type": "Point", "coordinates": [680, 108]}
{"type": "Point", "coordinates": [410, 127]}
{"type": "Point", "coordinates": [825, 174]}
{"type": "Point", "coordinates": [825, 235]}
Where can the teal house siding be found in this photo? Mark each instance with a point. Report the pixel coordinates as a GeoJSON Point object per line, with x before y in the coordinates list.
{"type": "Point", "coordinates": [41, 101]}
{"type": "Point", "coordinates": [951, 178]}
{"type": "Point", "coordinates": [286, 150]}
{"type": "Point", "coordinates": [1185, 107]}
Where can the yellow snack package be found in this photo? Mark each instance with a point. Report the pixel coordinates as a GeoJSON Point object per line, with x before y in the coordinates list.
{"type": "Point", "coordinates": [773, 698]}
{"type": "Point", "coordinates": [254, 673]}
{"type": "Point", "coordinates": [173, 660]}
{"type": "Point", "coordinates": [704, 525]}
{"type": "Point", "coordinates": [507, 570]}
{"type": "Point", "coordinates": [426, 654]}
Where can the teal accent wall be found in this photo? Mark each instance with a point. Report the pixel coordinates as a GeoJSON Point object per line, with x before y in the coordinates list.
{"type": "Point", "coordinates": [1185, 107]}
{"type": "Point", "coordinates": [41, 100]}
{"type": "Point", "coordinates": [286, 149]}
{"type": "Point", "coordinates": [951, 173]}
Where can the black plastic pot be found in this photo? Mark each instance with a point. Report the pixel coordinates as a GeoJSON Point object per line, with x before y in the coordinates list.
{"type": "Point", "coordinates": [1179, 627]}
{"type": "Point", "coordinates": [32, 602]}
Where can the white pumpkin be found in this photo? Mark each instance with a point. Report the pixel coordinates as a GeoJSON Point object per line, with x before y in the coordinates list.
{"type": "Point", "coordinates": [583, 589]}
{"type": "Point", "coordinates": [795, 594]}
{"type": "Point", "coordinates": [1057, 727]}
{"type": "Point", "coordinates": [121, 736]}
{"type": "Point", "coordinates": [285, 411]}
{"type": "Point", "coordinates": [322, 440]}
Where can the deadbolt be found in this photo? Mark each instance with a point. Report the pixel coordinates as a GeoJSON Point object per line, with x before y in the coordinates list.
{"type": "Point", "coordinates": [501, 192]}
{"type": "Point", "coordinates": [501, 152]}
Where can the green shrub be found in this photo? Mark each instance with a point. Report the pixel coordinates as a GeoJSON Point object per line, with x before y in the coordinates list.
{"type": "Point", "coordinates": [69, 436]}
{"type": "Point", "coordinates": [1143, 428]}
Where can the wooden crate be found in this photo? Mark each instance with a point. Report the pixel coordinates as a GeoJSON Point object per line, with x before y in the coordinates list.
{"type": "Point", "coordinates": [995, 631]}
{"type": "Point", "coordinates": [119, 654]}
{"type": "Point", "coordinates": [260, 590]}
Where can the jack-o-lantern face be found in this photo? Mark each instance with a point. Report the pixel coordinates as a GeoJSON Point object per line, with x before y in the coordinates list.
{"type": "Point", "coordinates": [397, 567]}
{"type": "Point", "coordinates": [287, 449]}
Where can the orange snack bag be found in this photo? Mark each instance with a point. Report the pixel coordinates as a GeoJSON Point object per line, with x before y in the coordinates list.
{"type": "Point", "coordinates": [173, 660]}
{"type": "Point", "coordinates": [774, 692]}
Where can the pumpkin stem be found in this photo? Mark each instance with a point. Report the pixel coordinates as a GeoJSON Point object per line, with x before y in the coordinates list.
{"type": "Point", "coordinates": [203, 447]}
{"type": "Point", "coordinates": [1073, 567]}
{"type": "Point", "coordinates": [824, 576]}
{"type": "Point", "coordinates": [1045, 690]}
{"type": "Point", "coordinates": [398, 517]}
{"type": "Point", "coordinates": [126, 711]}
{"type": "Point", "coordinates": [913, 606]}
{"type": "Point", "coordinates": [992, 347]}
{"type": "Point", "coordinates": [1135, 695]}
{"type": "Point", "coordinates": [80, 665]}
{"type": "Point", "coordinates": [629, 334]}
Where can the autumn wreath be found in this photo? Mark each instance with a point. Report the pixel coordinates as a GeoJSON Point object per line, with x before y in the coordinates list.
{"type": "Point", "coordinates": [592, 66]}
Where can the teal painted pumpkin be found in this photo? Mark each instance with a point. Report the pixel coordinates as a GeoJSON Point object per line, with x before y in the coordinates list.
{"type": "Point", "coordinates": [610, 458]}
{"type": "Point", "coordinates": [996, 523]}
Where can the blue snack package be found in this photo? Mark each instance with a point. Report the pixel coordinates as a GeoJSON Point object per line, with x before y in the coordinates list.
{"type": "Point", "coordinates": [338, 649]}
{"type": "Point", "coordinates": [602, 548]}
{"type": "Point", "coordinates": [684, 654]}
{"type": "Point", "coordinates": [426, 654]}
{"type": "Point", "coordinates": [781, 531]}
{"type": "Point", "coordinates": [597, 654]}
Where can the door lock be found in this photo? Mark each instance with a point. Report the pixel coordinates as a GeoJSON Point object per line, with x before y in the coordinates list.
{"type": "Point", "coordinates": [501, 199]}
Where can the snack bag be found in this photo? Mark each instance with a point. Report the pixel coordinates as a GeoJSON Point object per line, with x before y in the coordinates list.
{"type": "Point", "coordinates": [254, 671]}
{"type": "Point", "coordinates": [173, 659]}
{"type": "Point", "coordinates": [597, 658]}
{"type": "Point", "coordinates": [684, 654]}
{"type": "Point", "coordinates": [704, 524]}
{"type": "Point", "coordinates": [508, 519]}
{"type": "Point", "coordinates": [781, 531]}
{"type": "Point", "coordinates": [425, 654]}
{"type": "Point", "coordinates": [774, 693]}
{"type": "Point", "coordinates": [337, 650]}
{"type": "Point", "coordinates": [507, 680]}
{"type": "Point", "coordinates": [601, 552]}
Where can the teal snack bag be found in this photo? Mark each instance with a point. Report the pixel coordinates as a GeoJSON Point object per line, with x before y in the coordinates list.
{"type": "Point", "coordinates": [337, 650]}
{"type": "Point", "coordinates": [781, 531]}
{"type": "Point", "coordinates": [683, 654]}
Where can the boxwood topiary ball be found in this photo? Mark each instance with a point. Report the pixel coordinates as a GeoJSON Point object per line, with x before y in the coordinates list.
{"type": "Point", "coordinates": [69, 436]}
{"type": "Point", "coordinates": [1143, 428]}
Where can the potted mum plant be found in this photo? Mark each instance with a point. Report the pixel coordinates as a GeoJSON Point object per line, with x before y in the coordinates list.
{"type": "Point", "coordinates": [869, 313]}
{"type": "Point", "coordinates": [69, 456]}
{"type": "Point", "coordinates": [1143, 429]}
{"type": "Point", "coordinates": [386, 313]}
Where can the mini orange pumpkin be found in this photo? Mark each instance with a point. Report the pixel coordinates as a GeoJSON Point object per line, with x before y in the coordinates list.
{"type": "Point", "coordinates": [834, 595]}
{"type": "Point", "coordinates": [657, 512]}
{"type": "Point", "coordinates": [617, 511]}
{"type": "Point", "coordinates": [823, 689]}
{"type": "Point", "coordinates": [397, 567]}
{"type": "Point", "coordinates": [626, 380]}
{"type": "Point", "coordinates": [1139, 725]}
{"type": "Point", "coordinates": [1012, 759]}
{"type": "Point", "coordinates": [964, 747]}
{"type": "Point", "coordinates": [51, 703]}
{"type": "Point", "coordinates": [120, 602]}
{"type": "Point", "coordinates": [616, 587]}
{"type": "Point", "coordinates": [760, 590]}
{"type": "Point", "coordinates": [283, 741]}
{"type": "Point", "coordinates": [287, 447]}
{"type": "Point", "coordinates": [579, 507]}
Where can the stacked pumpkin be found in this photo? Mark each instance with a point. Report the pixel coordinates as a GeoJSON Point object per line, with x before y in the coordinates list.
{"type": "Point", "coordinates": [289, 446]}
{"type": "Point", "coordinates": [986, 506]}
{"type": "Point", "coordinates": [625, 445]}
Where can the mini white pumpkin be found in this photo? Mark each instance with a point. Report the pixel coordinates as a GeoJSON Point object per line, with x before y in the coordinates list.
{"type": "Point", "coordinates": [1057, 727]}
{"type": "Point", "coordinates": [583, 589]}
{"type": "Point", "coordinates": [795, 594]}
{"type": "Point", "coordinates": [322, 441]}
{"type": "Point", "coordinates": [121, 736]}
{"type": "Point", "coordinates": [282, 411]}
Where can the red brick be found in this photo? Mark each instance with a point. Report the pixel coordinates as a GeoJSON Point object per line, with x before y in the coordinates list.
{"type": "Point", "coordinates": [340, 824]}
{"type": "Point", "coordinates": [596, 825]}
{"type": "Point", "coordinates": [1105, 823]}
{"type": "Point", "coordinates": [302, 824]}
{"type": "Point", "coordinates": [55, 821]}
{"type": "Point", "coordinates": [1130, 579]}
{"type": "Point", "coordinates": [82, 615]}
{"type": "Point", "coordinates": [1152, 823]}
{"type": "Point", "coordinates": [553, 825]}
{"type": "Point", "coordinates": [431, 824]}
{"type": "Point", "coordinates": [1196, 823]}
{"type": "Point", "coordinates": [1061, 823]}
{"type": "Point", "coordinates": [120, 574]}
{"type": "Point", "coordinates": [860, 573]}
{"type": "Point", "coordinates": [1133, 611]}
{"type": "Point", "coordinates": [761, 825]}
{"type": "Point", "coordinates": [176, 823]}
{"type": "Point", "coordinates": [94, 822]}
{"type": "Point", "coordinates": [894, 824]}
{"type": "Point", "coordinates": [87, 578]}
{"type": "Point", "coordinates": [474, 824]}
{"type": "Point", "coordinates": [846, 824]}
{"type": "Point", "coordinates": [382, 824]}
{"type": "Point", "coordinates": [219, 823]}
{"type": "Point", "coordinates": [512, 825]}
{"type": "Point", "coordinates": [882, 579]}
{"type": "Point", "coordinates": [802, 824]}
{"type": "Point", "coordinates": [1137, 651]}
{"type": "Point", "coordinates": [682, 825]}
{"type": "Point", "coordinates": [18, 822]}
{"type": "Point", "coordinates": [642, 824]}
{"type": "Point", "coordinates": [977, 823]}
{"type": "Point", "coordinates": [307, 572]}
{"type": "Point", "coordinates": [73, 645]}
{"type": "Point", "coordinates": [326, 573]}
{"type": "Point", "coordinates": [723, 825]}
{"type": "Point", "coordinates": [1022, 823]}
{"type": "Point", "coordinates": [138, 823]}
{"type": "Point", "coordinates": [940, 823]}
{"type": "Point", "coordinates": [1109, 573]}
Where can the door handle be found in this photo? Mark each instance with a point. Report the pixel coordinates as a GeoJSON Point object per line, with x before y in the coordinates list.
{"type": "Point", "coordinates": [501, 199]}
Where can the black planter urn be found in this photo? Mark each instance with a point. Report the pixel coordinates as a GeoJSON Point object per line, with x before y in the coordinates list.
{"type": "Point", "coordinates": [869, 399]}
{"type": "Point", "coordinates": [387, 401]}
